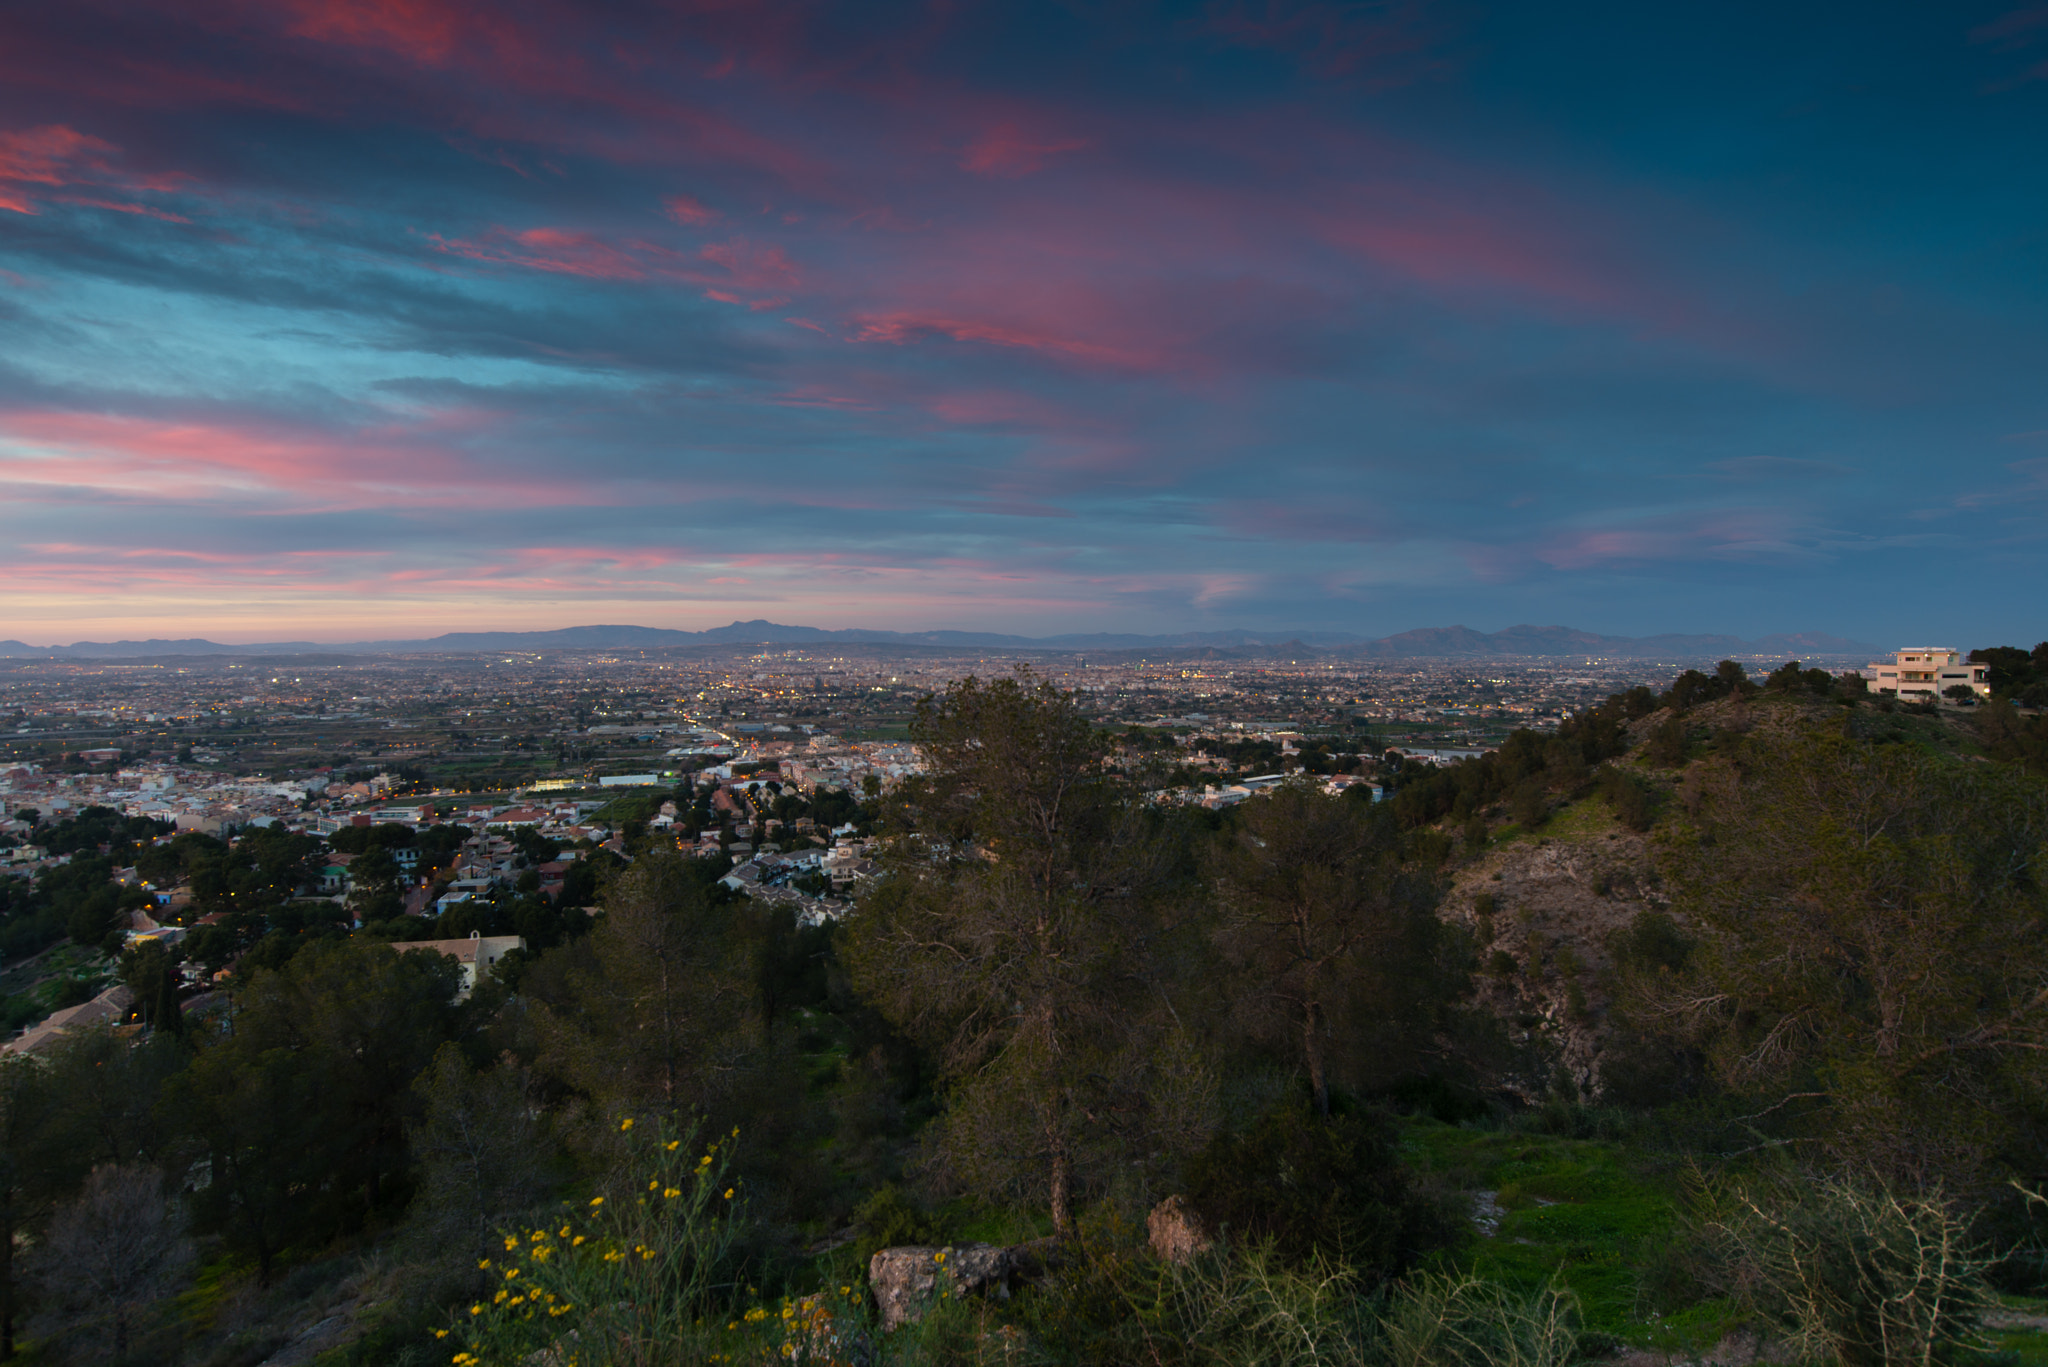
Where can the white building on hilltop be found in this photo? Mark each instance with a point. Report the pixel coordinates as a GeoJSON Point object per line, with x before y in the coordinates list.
{"type": "Point", "coordinates": [1927, 672]}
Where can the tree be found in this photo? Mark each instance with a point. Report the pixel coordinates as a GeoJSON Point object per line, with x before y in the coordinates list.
{"type": "Point", "coordinates": [302, 1107]}
{"type": "Point", "coordinates": [117, 1247]}
{"type": "Point", "coordinates": [30, 1174]}
{"type": "Point", "coordinates": [1869, 954]}
{"type": "Point", "coordinates": [150, 970]}
{"type": "Point", "coordinates": [483, 1153]}
{"type": "Point", "coordinates": [656, 1005]}
{"type": "Point", "coordinates": [1009, 935]}
{"type": "Point", "coordinates": [1322, 925]}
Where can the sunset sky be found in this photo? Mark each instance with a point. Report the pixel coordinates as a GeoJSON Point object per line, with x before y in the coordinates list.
{"type": "Point", "coordinates": [332, 319]}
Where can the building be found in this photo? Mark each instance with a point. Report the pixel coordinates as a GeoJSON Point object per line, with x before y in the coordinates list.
{"type": "Point", "coordinates": [1927, 672]}
{"type": "Point", "coordinates": [476, 954]}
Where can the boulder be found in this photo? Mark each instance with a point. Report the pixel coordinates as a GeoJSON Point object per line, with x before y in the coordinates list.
{"type": "Point", "coordinates": [1176, 1230]}
{"type": "Point", "coordinates": [906, 1280]}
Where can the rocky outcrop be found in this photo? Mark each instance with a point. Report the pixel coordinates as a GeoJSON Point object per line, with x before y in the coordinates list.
{"type": "Point", "coordinates": [1176, 1230]}
{"type": "Point", "coordinates": [1542, 912]}
{"type": "Point", "coordinates": [907, 1280]}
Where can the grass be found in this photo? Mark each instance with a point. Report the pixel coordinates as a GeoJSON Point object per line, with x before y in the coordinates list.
{"type": "Point", "coordinates": [1585, 1211]}
{"type": "Point", "coordinates": [2022, 1346]}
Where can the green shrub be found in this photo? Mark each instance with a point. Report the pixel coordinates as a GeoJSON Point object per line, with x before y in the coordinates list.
{"type": "Point", "coordinates": [631, 1275]}
{"type": "Point", "coordinates": [888, 1220]}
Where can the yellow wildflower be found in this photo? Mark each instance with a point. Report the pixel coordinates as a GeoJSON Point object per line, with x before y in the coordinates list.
{"type": "Point", "coordinates": [627, 1123]}
{"type": "Point", "coordinates": [597, 1200]}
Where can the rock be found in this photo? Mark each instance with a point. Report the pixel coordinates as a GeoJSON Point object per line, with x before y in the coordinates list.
{"type": "Point", "coordinates": [906, 1280]}
{"type": "Point", "coordinates": [1176, 1230]}
{"type": "Point", "coordinates": [1031, 1261]}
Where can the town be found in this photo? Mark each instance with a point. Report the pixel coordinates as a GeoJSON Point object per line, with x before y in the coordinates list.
{"type": "Point", "coordinates": [434, 800]}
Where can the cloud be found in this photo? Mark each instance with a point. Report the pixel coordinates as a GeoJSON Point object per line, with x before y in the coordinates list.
{"type": "Point", "coordinates": [688, 210]}
{"type": "Point", "coordinates": [1006, 150]}
{"type": "Point", "coordinates": [42, 164]}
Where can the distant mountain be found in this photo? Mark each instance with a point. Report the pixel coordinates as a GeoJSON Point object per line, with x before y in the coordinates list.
{"type": "Point", "coordinates": [1456, 642]}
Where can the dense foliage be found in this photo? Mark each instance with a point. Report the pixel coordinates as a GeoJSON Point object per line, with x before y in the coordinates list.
{"type": "Point", "coordinates": [678, 1122]}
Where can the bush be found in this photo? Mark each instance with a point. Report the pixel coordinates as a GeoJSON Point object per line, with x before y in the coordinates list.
{"type": "Point", "coordinates": [1635, 800]}
{"type": "Point", "coordinates": [1529, 804]}
{"type": "Point", "coordinates": [1312, 1186]}
{"type": "Point", "coordinates": [887, 1220]}
{"type": "Point", "coordinates": [631, 1275]}
{"type": "Point", "coordinates": [1441, 1321]}
{"type": "Point", "coordinates": [1852, 1273]}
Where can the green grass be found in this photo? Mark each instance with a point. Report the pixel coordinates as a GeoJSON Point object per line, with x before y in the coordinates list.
{"type": "Point", "coordinates": [1585, 1211]}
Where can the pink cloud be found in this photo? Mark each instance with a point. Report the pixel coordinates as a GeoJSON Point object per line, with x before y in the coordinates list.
{"type": "Point", "coordinates": [1005, 150]}
{"type": "Point", "coordinates": [743, 270]}
{"type": "Point", "coordinates": [1745, 535]}
{"type": "Point", "coordinates": [689, 210]}
{"type": "Point", "coordinates": [67, 453]}
{"type": "Point", "coordinates": [565, 252]}
{"type": "Point", "coordinates": [753, 266]}
{"type": "Point", "coordinates": [423, 30]}
{"type": "Point", "coordinates": [56, 156]}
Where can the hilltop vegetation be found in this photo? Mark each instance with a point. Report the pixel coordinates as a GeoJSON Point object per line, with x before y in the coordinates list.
{"type": "Point", "coordinates": [1601, 1040]}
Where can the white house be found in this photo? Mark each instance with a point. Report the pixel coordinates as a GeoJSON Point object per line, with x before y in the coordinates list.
{"type": "Point", "coordinates": [476, 954]}
{"type": "Point", "coordinates": [1927, 672]}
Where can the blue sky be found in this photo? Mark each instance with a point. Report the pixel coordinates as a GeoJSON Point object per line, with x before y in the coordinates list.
{"type": "Point", "coordinates": [341, 318]}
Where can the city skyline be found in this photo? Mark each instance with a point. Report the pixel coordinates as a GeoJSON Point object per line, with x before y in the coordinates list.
{"type": "Point", "coordinates": [370, 319]}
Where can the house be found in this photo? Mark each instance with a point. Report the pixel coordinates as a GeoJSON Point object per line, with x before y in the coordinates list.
{"type": "Point", "coordinates": [110, 1007]}
{"type": "Point", "coordinates": [477, 954]}
{"type": "Point", "coordinates": [1927, 672]}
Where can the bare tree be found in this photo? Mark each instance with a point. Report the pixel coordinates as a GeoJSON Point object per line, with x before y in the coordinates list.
{"type": "Point", "coordinates": [113, 1251]}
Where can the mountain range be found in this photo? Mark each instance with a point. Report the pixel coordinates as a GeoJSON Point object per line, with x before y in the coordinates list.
{"type": "Point", "coordinates": [1425, 643]}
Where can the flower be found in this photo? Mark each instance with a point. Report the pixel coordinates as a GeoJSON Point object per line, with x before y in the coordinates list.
{"type": "Point", "coordinates": [728, 1193]}
{"type": "Point", "coordinates": [671, 1193]}
{"type": "Point", "coordinates": [485, 1263]}
{"type": "Point", "coordinates": [597, 1200]}
{"type": "Point", "coordinates": [440, 1333]}
{"type": "Point", "coordinates": [626, 1124]}
{"type": "Point", "coordinates": [673, 1145]}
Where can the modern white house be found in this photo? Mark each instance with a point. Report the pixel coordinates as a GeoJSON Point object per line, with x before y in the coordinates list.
{"type": "Point", "coordinates": [1927, 672]}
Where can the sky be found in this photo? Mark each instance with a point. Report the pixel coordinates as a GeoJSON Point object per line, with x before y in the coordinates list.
{"type": "Point", "coordinates": [345, 319]}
